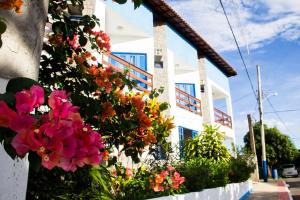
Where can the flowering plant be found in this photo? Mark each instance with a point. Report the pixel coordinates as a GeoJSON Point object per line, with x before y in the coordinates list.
{"type": "Point", "coordinates": [167, 179]}
{"type": "Point", "coordinates": [55, 132]}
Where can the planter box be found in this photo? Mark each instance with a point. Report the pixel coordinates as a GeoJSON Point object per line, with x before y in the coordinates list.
{"type": "Point", "coordinates": [233, 191]}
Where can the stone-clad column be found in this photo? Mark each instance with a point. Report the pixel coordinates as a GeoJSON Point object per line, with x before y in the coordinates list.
{"type": "Point", "coordinates": [20, 57]}
{"type": "Point", "coordinates": [164, 76]}
{"type": "Point", "coordinates": [206, 95]}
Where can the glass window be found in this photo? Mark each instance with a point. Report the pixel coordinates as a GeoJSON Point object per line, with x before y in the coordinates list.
{"type": "Point", "coordinates": [137, 59]}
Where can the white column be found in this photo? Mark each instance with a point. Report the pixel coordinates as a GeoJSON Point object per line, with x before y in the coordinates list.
{"type": "Point", "coordinates": [206, 96]}
{"type": "Point", "coordinates": [20, 57]}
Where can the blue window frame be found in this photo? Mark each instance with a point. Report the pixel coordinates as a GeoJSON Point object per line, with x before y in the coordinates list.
{"type": "Point", "coordinates": [187, 87]}
{"type": "Point", "coordinates": [190, 89]}
{"type": "Point", "coordinates": [184, 135]}
{"type": "Point", "coordinates": [137, 59]}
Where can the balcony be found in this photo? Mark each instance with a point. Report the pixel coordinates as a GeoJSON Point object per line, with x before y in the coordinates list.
{"type": "Point", "coordinates": [188, 102]}
{"type": "Point", "coordinates": [143, 79]}
{"type": "Point", "coordinates": [222, 118]}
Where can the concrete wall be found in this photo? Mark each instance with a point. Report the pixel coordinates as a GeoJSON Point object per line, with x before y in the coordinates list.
{"type": "Point", "coordinates": [214, 74]}
{"type": "Point", "coordinates": [181, 48]}
{"type": "Point", "coordinates": [234, 191]}
{"type": "Point", "coordinates": [141, 17]}
{"type": "Point", "coordinates": [13, 173]}
{"type": "Point", "coordinates": [138, 45]}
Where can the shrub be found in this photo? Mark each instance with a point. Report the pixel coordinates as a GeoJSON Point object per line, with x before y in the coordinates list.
{"type": "Point", "coordinates": [147, 182]}
{"type": "Point", "coordinates": [208, 144]}
{"type": "Point", "coordinates": [201, 173]}
{"type": "Point", "coordinates": [240, 169]}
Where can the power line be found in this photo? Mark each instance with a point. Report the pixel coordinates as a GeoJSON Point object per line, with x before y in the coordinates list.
{"type": "Point", "coordinates": [236, 100]}
{"type": "Point", "coordinates": [239, 50]}
{"type": "Point", "coordinates": [283, 111]}
{"type": "Point", "coordinates": [276, 113]}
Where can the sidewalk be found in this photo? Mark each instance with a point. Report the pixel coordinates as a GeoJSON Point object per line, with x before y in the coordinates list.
{"type": "Point", "coordinates": [272, 190]}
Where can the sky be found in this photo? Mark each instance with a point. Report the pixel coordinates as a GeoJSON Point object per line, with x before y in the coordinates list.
{"type": "Point", "coordinates": [268, 32]}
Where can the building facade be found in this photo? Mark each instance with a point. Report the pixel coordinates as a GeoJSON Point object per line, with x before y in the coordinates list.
{"type": "Point", "coordinates": [162, 50]}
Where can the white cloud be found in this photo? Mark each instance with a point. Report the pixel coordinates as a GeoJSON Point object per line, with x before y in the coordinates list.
{"type": "Point", "coordinates": [254, 22]}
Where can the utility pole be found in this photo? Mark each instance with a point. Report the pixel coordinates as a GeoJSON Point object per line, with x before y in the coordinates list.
{"type": "Point", "coordinates": [262, 129]}
{"type": "Point", "coordinates": [253, 149]}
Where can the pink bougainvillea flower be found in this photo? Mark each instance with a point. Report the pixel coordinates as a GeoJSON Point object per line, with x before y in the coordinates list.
{"type": "Point", "coordinates": [27, 100]}
{"type": "Point", "coordinates": [26, 141]}
{"type": "Point", "coordinates": [51, 160]}
{"type": "Point", "coordinates": [22, 123]}
{"type": "Point", "coordinates": [61, 107]}
{"type": "Point", "coordinates": [7, 115]}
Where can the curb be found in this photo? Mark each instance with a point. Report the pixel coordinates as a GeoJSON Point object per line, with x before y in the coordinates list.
{"type": "Point", "coordinates": [287, 189]}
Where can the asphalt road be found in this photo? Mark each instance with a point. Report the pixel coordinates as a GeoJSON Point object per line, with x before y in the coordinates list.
{"type": "Point", "coordinates": [294, 187]}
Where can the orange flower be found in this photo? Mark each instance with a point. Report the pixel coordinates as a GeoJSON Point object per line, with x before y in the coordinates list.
{"type": "Point", "coordinates": [159, 179]}
{"type": "Point", "coordinates": [158, 188]}
{"type": "Point", "coordinates": [12, 4]}
{"type": "Point", "coordinates": [105, 155]}
{"type": "Point", "coordinates": [108, 111]}
{"type": "Point", "coordinates": [128, 172]}
{"type": "Point", "coordinates": [138, 102]}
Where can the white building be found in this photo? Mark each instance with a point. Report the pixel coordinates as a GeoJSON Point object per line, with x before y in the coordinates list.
{"type": "Point", "coordinates": [163, 50]}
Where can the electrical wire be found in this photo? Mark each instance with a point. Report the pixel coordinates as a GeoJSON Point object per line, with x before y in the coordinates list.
{"type": "Point", "coordinates": [282, 111]}
{"type": "Point", "coordinates": [239, 50]}
{"type": "Point", "coordinates": [278, 116]}
{"type": "Point", "coordinates": [237, 100]}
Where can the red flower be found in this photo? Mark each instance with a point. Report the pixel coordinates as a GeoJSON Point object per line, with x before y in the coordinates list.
{"type": "Point", "coordinates": [74, 42]}
{"type": "Point", "coordinates": [7, 115]}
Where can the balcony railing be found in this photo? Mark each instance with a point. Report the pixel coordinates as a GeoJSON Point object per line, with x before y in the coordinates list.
{"type": "Point", "coordinates": [188, 102]}
{"type": "Point", "coordinates": [223, 118]}
{"type": "Point", "coordinates": [144, 79]}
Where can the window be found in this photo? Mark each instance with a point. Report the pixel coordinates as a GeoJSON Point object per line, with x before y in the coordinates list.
{"type": "Point", "coordinates": [190, 89]}
{"type": "Point", "coordinates": [187, 87]}
{"type": "Point", "coordinates": [137, 59]}
{"type": "Point", "coordinates": [184, 135]}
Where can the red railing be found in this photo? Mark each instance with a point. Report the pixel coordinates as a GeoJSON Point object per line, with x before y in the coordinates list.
{"type": "Point", "coordinates": [134, 73]}
{"type": "Point", "coordinates": [188, 102]}
{"type": "Point", "coordinates": [223, 118]}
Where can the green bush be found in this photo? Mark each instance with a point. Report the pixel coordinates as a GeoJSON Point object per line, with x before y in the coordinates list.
{"type": "Point", "coordinates": [208, 144]}
{"type": "Point", "coordinates": [201, 173]}
{"type": "Point", "coordinates": [240, 169]}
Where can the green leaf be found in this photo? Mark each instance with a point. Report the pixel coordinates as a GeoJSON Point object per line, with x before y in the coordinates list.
{"type": "Point", "coordinates": [83, 41]}
{"type": "Point", "coordinates": [2, 27]}
{"type": "Point", "coordinates": [20, 83]}
{"type": "Point", "coordinates": [35, 161]}
{"type": "Point", "coordinates": [59, 27]}
{"type": "Point", "coordinates": [9, 98]}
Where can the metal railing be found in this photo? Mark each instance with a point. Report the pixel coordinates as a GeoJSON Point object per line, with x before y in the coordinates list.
{"type": "Point", "coordinates": [188, 102]}
{"type": "Point", "coordinates": [144, 79]}
{"type": "Point", "coordinates": [222, 118]}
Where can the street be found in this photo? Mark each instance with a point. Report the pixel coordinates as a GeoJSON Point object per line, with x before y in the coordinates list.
{"type": "Point", "coordinates": [294, 187]}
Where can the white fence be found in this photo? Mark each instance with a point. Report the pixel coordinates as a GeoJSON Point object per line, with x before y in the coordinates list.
{"type": "Point", "coordinates": [234, 191]}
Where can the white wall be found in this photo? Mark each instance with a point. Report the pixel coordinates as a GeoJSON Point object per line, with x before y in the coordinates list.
{"type": "Point", "coordinates": [13, 173]}
{"type": "Point", "coordinates": [233, 191]}
{"type": "Point", "coordinates": [142, 45]}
